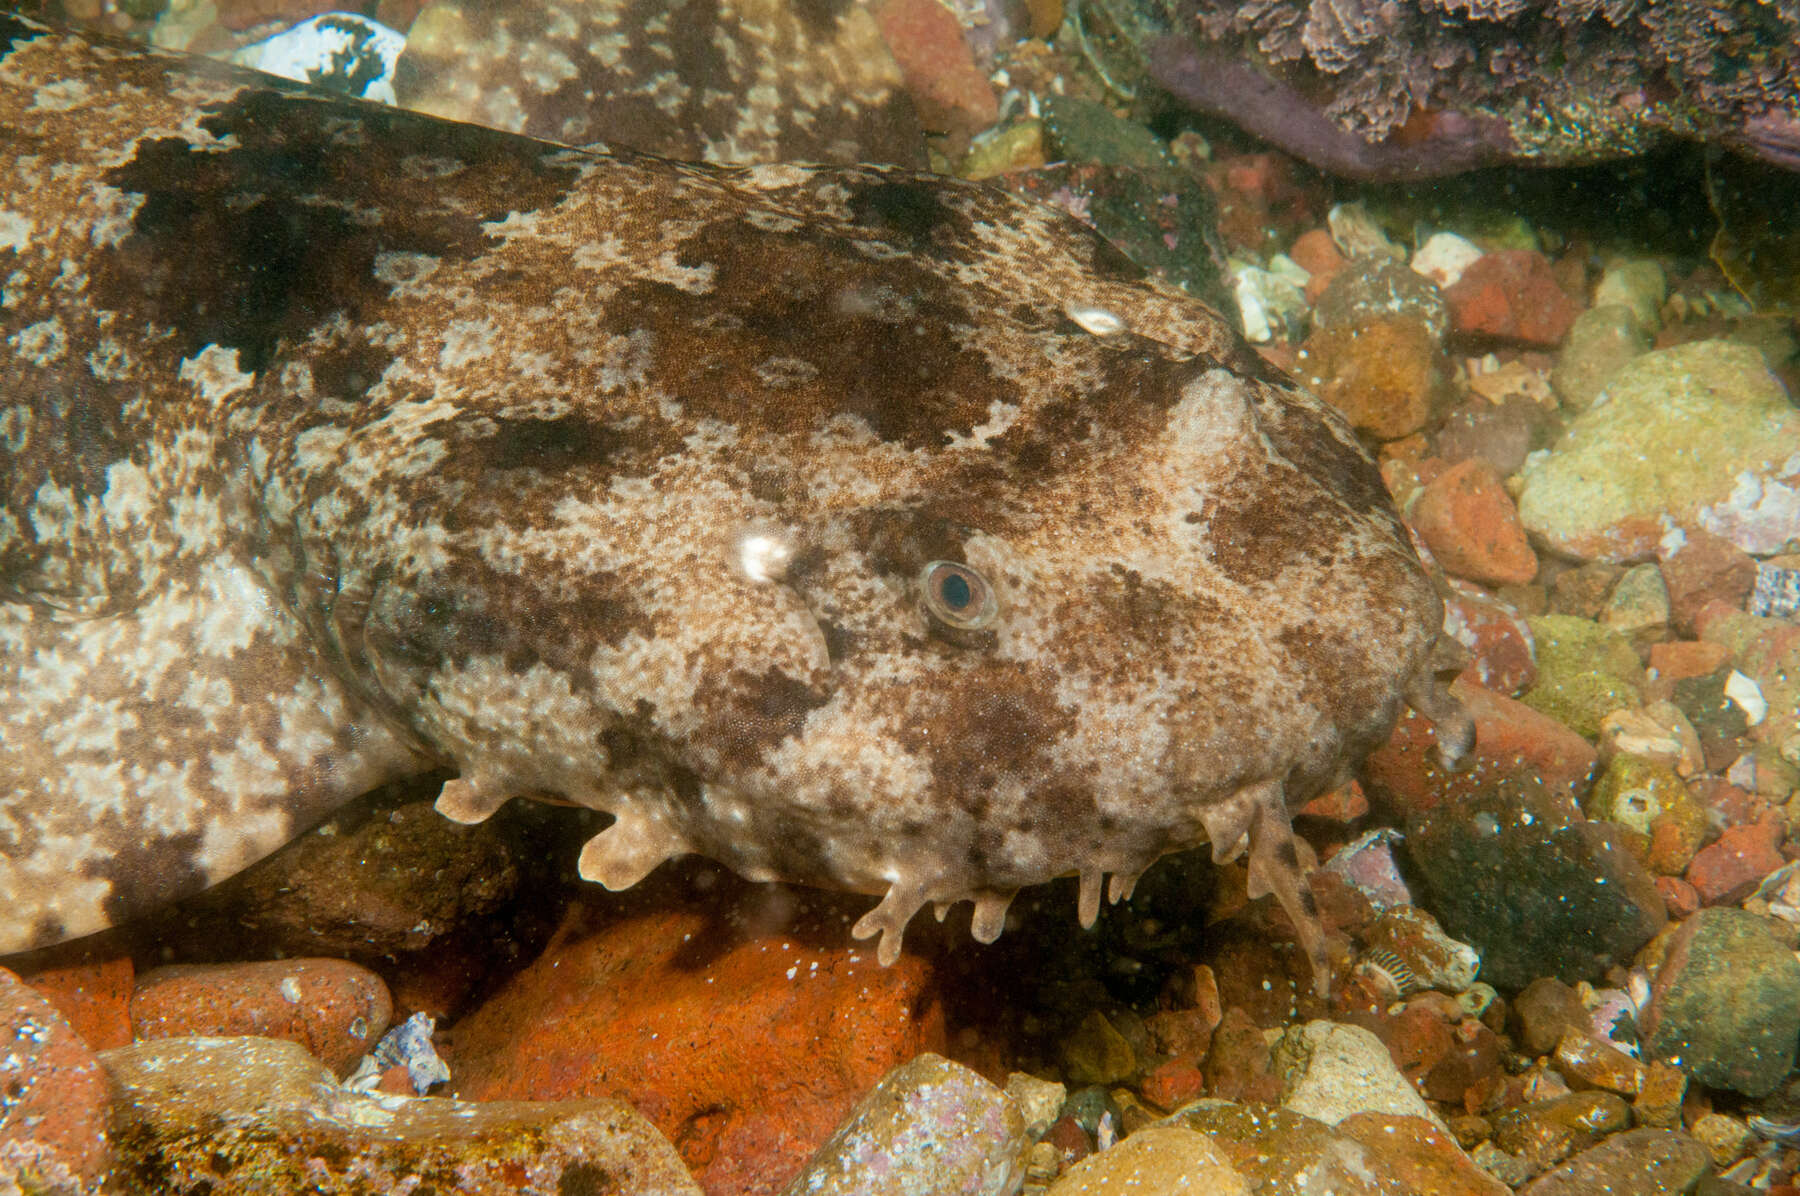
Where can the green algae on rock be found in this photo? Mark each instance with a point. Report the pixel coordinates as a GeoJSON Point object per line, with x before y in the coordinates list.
{"type": "Point", "coordinates": [255, 1115]}
{"type": "Point", "coordinates": [1726, 1003]}
{"type": "Point", "coordinates": [1702, 435]}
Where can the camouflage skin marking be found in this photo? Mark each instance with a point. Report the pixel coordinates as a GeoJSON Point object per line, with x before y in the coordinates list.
{"type": "Point", "coordinates": [340, 443]}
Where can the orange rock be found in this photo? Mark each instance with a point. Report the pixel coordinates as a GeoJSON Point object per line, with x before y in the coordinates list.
{"type": "Point", "coordinates": [1470, 524]}
{"type": "Point", "coordinates": [1383, 374]}
{"type": "Point", "coordinates": [94, 996]}
{"type": "Point", "coordinates": [333, 1008]}
{"type": "Point", "coordinates": [1173, 1084]}
{"type": "Point", "coordinates": [1316, 253]}
{"type": "Point", "coordinates": [948, 88]}
{"type": "Point", "coordinates": [52, 1098]}
{"type": "Point", "coordinates": [745, 1034]}
{"type": "Point", "coordinates": [1511, 294]}
{"type": "Point", "coordinates": [1676, 659]}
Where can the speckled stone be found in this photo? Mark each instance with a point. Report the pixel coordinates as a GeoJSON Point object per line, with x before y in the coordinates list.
{"type": "Point", "coordinates": [736, 1017]}
{"type": "Point", "coordinates": [1702, 434]}
{"type": "Point", "coordinates": [1585, 672]}
{"type": "Point", "coordinates": [52, 1099]}
{"type": "Point", "coordinates": [248, 1116]}
{"type": "Point", "coordinates": [1517, 872]}
{"type": "Point", "coordinates": [1279, 1151]}
{"type": "Point", "coordinates": [1646, 1162]}
{"type": "Point", "coordinates": [1156, 1161]}
{"type": "Point", "coordinates": [336, 1010]}
{"type": "Point", "coordinates": [1330, 1070]}
{"type": "Point", "coordinates": [1600, 342]}
{"type": "Point", "coordinates": [1726, 1003]}
{"type": "Point", "coordinates": [1650, 798]}
{"type": "Point", "coordinates": [1546, 1132]}
{"type": "Point", "coordinates": [930, 1128]}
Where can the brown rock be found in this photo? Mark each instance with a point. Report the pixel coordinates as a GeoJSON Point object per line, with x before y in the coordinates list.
{"type": "Point", "coordinates": [1705, 568]}
{"type": "Point", "coordinates": [1585, 1061]}
{"type": "Point", "coordinates": [1646, 1162]}
{"type": "Point", "coordinates": [736, 1017]}
{"type": "Point", "coordinates": [1167, 1160]}
{"type": "Point", "coordinates": [1315, 252]}
{"type": "Point", "coordinates": [1581, 591]}
{"type": "Point", "coordinates": [1544, 1012]}
{"type": "Point", "coordinates": [1383, 373]}
{"type": "Point", "coordinates": [1173, 1084]}
{"type": "Point", "coordinates": [1472, 526]}
{"type": "Point", "coordinates": [1547, 1132]}
{"type": "Point", "coordinates": [1502, 433]}
{"type": "Point", "coordinates": [1511, 294]}
{"type": "Point", "coordinates": [1238, 1067]}
{"type": "Point", "coordinates": [1679, 897]}
{"type": "Point", "coordinates": [52, 1098]}
{"type": "Point", "coordinates": [1658, 1103]}
{"type": "Point", "coordinates": [1417, 1157]}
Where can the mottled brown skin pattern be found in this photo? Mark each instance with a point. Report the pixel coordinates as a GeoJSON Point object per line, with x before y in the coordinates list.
{"type": "Point", "coordinates": [341, 443]}
{"type": "Point", "coordinates": [703, 80]}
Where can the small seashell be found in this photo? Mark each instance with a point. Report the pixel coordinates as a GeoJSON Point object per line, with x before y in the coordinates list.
{"type": "Point", "coordinates": [1389, 972]}
{"type": "Point", "coordinates": [1097, 320]}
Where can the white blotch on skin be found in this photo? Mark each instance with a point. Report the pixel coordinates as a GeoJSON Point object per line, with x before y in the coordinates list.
{"type": "Point", "coordinates": [15, 230]}
{"type": "Point", "coordinates": [42, 343]}
{"type": "Point", "coordinates": [466, 341]}
{"type": "Point", "coordinates": [215, 374]}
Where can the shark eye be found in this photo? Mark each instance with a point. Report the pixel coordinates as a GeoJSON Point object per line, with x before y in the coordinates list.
{"type": "Point", "coordinates": [958, 596]}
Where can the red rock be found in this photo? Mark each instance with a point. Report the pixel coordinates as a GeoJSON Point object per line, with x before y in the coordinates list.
{"type": "Point", "coordinates": [1070, 1140]}
{"type": "Point", "coordinates": [1497, 637]}
{"type": "Point", "coordinates": [1383, 373]}
{"type": "Point", "coordinates": [1729, 870]}
{"type": "Point", "coordinates": [1679, 897]}
{"type": "Point", "coordinates": [53, 1098]}
{"type": "Point", "coordinates": [1173, 1084]}
{"type": "Point", "coordinates": [335, 1009]}
{"type": "Point", "coordinates": [1404, 775]}
{"type": "Point", "coordinates": [1467, 518]}
{"type": "Point", "coordinates": [1511, 294]}
{"type": "Point", "coordinates": [1705, 568]}
{"type": "Point", "coordinates": [1418, 1040]}
{"type": "Point", "coordinates": [93, 997]}
{"type": "Point", "coordinates": [741, 1020]}
{"type": "Point", "coordinates": [950, 91]}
